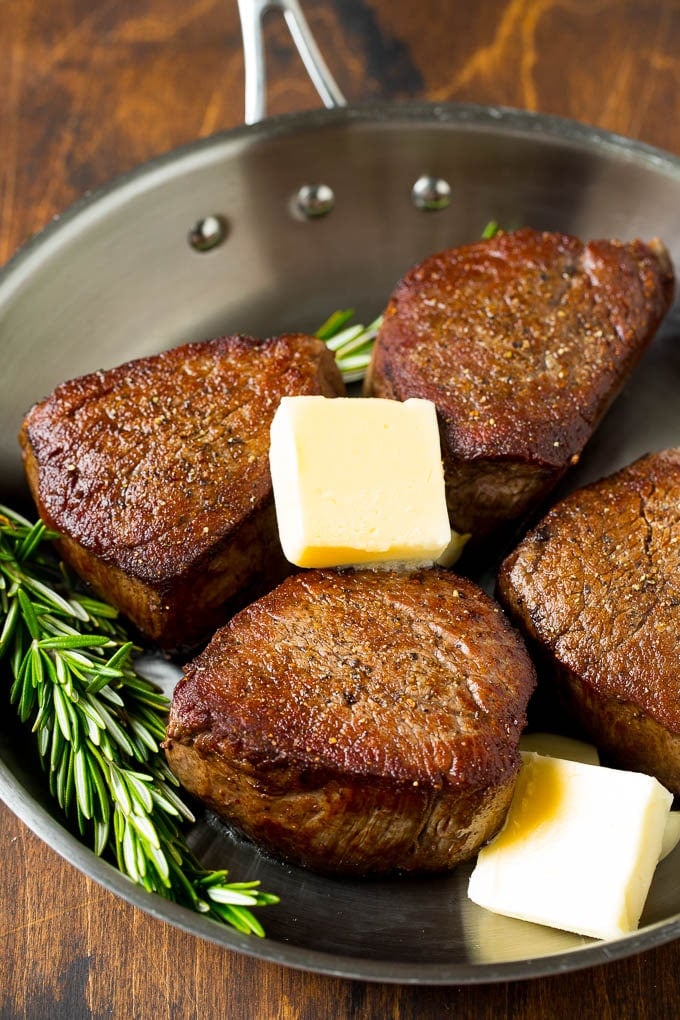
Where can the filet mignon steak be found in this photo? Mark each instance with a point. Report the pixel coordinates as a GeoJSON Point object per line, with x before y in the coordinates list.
{"type": "Point", "coordinates": [522, 342]}
{"type": "Point", "coordinates": [358, 721]}
{"type": "Point", "coordinates": [597, 586]}
{"type": "Point", "coordinates": [156, 474]}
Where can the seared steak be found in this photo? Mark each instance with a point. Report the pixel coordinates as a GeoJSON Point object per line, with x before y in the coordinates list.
{"type": "Point", "coordinates": [156, 474]}
{"type": "Point", "coordinates": [358, 722]}
{"type": "Point", "coordinates": [597, 586]}
{"type": "Point", "coordinates": [522, 342]}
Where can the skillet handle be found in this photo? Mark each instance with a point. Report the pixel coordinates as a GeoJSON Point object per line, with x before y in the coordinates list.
{"type": "Point", "coordinates": [252, 13]}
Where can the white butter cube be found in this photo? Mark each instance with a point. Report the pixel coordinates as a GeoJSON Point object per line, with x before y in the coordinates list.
{"type": "Point", "coordinates": [557, 746]}
{"type": "Point", "coordinates": [358, 482]}
{"type": "Point", "coordinates": [578, 850]}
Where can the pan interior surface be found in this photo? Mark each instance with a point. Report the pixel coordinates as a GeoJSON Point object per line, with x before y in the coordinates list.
{"type": "Point", "coordinates": [117, 278]}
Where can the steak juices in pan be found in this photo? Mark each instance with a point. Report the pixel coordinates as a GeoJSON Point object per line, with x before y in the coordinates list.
{"type": "Point", "coordinates": [353, 720]}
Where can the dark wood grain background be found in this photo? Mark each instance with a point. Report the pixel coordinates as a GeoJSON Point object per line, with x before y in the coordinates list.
{"type": "Point", "coordinates": [90, 88]}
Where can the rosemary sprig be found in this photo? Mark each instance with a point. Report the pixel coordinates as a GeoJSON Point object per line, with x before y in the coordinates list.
{"type": "Point", "coordinates": [353, 344]}
{"type": "Point", "coordinates": [98, 725]}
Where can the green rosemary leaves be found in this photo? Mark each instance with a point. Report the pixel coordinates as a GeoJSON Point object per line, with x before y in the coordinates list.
{"type": "Point", "coordinates": [352, 345]}
{"type": "Point", "coordinates": [98, 725]}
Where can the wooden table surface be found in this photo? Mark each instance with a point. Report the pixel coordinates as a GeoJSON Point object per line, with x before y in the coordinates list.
{"type": "Point", "coordinates": [88, 89]}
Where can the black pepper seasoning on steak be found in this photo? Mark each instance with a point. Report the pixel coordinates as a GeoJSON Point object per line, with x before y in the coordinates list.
{"type": "Point", "coordinates": [156, 474]}
{"type": "Point", "coordinates": [358, 721]}
{"type": "Point", "coordinates": [597, 587]}
{"type": "Point", "coordinates": [522, 341]}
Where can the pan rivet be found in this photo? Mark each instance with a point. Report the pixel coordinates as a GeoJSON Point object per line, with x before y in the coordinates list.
{"type": "Point", "coordinates": [315, 200]}
{"type": "Point", "coordinates": [431, 193]}
{"type": "Point", "coordinates": [208, 233]}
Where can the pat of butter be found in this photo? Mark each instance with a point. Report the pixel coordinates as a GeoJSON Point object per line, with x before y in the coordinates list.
{"type": "Point", "coordinates": [358, 482]}
{"type": "Point", "coordinates": [578, 849]}
{"type": "Point", "coordinates": [557, 746]}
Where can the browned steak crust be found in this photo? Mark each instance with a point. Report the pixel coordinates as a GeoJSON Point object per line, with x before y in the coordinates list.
{"type": "Point", "coordinates": [157, 475]}
{"type": "Point", "coordinates": [597, 585]}
{"type": "Point", "coordinates": [522, 342]}
{"type": "Point", "coordinates": [358, 722]}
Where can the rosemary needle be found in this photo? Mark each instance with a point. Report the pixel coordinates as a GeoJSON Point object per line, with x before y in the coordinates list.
{"type": "Point", "coordinates": [98, 725]}
{"type": "Point", "coordinates": [352, 344]}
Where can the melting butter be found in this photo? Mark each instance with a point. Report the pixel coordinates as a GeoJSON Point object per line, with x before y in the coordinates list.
{"type": "Point", "coordinates": [557, 746]}
{"type": "Point", "coordinates": [578, 850]}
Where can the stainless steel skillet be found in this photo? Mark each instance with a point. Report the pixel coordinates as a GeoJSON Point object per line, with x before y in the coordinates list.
{"type": "Point", "coordinates": [118, 276]}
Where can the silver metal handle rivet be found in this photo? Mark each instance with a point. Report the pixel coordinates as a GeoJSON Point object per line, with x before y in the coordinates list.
{"type": "Point", "coordinates": [314, 200]}
{"type": "Point", "coordinates": [208, 233]}
{"type": "Point", "coordinates": [431, 193]}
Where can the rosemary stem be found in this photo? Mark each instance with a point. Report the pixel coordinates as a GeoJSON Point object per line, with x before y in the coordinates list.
{"type": "Point", "coordinates": [97, 726]}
